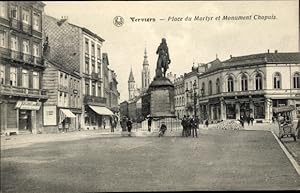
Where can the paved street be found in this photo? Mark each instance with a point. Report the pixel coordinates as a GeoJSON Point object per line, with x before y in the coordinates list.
{"type": "Point", "coordinates": [217, 160]}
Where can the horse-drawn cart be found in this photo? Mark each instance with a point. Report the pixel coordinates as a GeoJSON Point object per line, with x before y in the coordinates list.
{"type": "Point", "coordinates": [285, 121]}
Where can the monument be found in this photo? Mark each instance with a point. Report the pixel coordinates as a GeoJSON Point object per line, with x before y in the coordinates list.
{"type": "Point", "coordinates": [159, 100]}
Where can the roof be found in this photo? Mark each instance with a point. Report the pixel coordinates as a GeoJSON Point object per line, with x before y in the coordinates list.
{"type": "Point", "coordinates": [105, 58]}
{"type": "Point", "coordinates": [279, 57]}
{"type": "Point", "coordinates": [64, 68]}
{"type": "Point", "coordinates": [215, 64]}
{"type": "Point", "coordinates": [131, 78]}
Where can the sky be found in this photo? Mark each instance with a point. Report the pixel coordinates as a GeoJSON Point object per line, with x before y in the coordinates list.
{"type": "Point", "coordinates": [188, 41]}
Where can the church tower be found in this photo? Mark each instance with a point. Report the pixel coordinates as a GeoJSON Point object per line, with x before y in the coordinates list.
{"type": "Point", "coordinates": [145, 73]}
{"type": "Point", "coordinates": [131, 85]}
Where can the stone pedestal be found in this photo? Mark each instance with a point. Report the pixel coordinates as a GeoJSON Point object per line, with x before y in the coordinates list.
{"type": "Point", "coordinates": [161, 94]}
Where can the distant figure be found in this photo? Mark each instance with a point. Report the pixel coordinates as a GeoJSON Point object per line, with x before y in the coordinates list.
{"type": "Point", "coordinates": [162, 130]}
{"type": "Point", "coordinates": [206, 123]}
{"type": "Point", "coordinates": [241, 121]}
{"type": "Point", "coordinates": [104, 123]}
{"type": "Point", "coordinates": [184, 129]}
{"type": "Point", "coordinates": [149, 123]}
{"type": "Point", "coordinates": [298, 129]}
{"type": "Point", "coordinates": [189, 126]}
{"type": "Point", "coordinates": [251, 120]}
{"type": "Point", "coordinates": [129, 126]}
{"type": "Point", "coordinates": [273, 119]}
{"type": "Point", "coordinates": [193, 123]}
{"type": "Point", "coordinates": [248, 120]}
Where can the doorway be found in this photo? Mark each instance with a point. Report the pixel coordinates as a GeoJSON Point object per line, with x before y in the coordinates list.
{"type": "Point", "coordinates": [25, 120]}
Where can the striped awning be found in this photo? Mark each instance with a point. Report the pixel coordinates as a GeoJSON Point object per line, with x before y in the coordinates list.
{"type": "Point", "coordinates": [64, 113]}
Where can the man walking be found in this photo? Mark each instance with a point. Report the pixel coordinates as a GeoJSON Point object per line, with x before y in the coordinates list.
{"type": "Point", "coordinates": [149, 123]}
{"type": "Point", "coordinates": [194, 126]}
{"type": "Point", "coordinates": [183, 123]}
{"type": "Point", "coordinates": [129, 126]}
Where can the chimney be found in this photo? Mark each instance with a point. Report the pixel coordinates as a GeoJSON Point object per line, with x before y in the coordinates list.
{"type": "Point", "coordinates": [62, 20]}
{"type": "Point", "coordinates": [276, 51]}
{"type": "Point", "coordinates": [268, 51]}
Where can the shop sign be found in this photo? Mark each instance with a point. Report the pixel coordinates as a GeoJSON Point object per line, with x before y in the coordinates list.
{"type": "Point", "coordinates": [49, 115]}
{"type": "Point", "coordinates": [28, 105]}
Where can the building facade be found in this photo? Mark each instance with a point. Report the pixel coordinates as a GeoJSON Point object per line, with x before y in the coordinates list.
{"type": "Point", "coordinates": [81, 50]}
{"type": "Point", "coordinates": [62, 110]}
{"type": "Point", "coordinates": [21, 66]}
{"type": "Point", "coordinates": [114, 94]}
{"type": "Point", "coordinates": [179, 97]}
{"type": "Point", "coordinates": [250, 86]}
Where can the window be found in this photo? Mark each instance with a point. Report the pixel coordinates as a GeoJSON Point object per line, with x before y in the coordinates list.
{"type": "Point", "coordinates": [93, 89]}
{"type": "Point", "coordinates": [14, 12]}
{"type": "Point", "coordinates": [86, 46]}
{"type": "Point", "coordinates": [3, 39]}
{"type": "Point", "coordinates": [277, 80]}
{"type": "Point", "coordinates": [244, 83]}
{"type": "Point", "coordinates": [230, 84]}
{"type": "Point", "coordinates": [25, 78]}
{"type": "Point", "coordinates": [2, 74]}
{"type": "Point", "coordinates": [13, 76]}
{"type": "Point", "coordinates": [36, 22]}
{"type": "Point", "coordinates": [203, 88]}
{"type": "Point", "coordinates": [87, 65]}
{"type": "Point", "coordinates": [210, 87]}
{"type": "Point", "coordinates": [14, 43]}
{"type": "Point", "coordinates": [98, 52]}
{"type": "Point", "coordinates": [25, 16]}
{"type": "Point", "coordinates": [26, 46]}
{"type": "Point", "coordinates": [218, 85]}
{"type": "Point", "coordinates": [3, 9]}
{"type": "Point", "coordinates": [87, 87]}
{"type": "Point", "coordinates": [36, 50]}
{"type": "Point", "coordinates": [258, 82]}
{"type": "Point", "coordinates": [93, 49]}
{"type": "Point", "coordinates": [35, 80]}
{"type": "Point", "coordinates": [93, 66]}
{"type": "Point", "coordinates": [99, 90]}
{"type": "Point", "coordinates": [296, 80]}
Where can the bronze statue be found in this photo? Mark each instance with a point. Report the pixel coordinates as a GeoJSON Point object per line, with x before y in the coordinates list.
{"type": "Point", "coordinates": [163, 60]}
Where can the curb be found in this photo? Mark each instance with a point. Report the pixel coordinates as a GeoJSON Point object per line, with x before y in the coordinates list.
{"type": "Point", "coordinates": [290, 157]}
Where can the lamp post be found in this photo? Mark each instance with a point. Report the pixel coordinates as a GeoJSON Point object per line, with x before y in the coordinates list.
{"type": "Point", "coordinates": [194, 96]}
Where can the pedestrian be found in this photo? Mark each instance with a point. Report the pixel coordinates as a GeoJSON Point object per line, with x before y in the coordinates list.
{"type": "Point", "coordinates": [149, 123]}
{"type": "Point", "coordinates": [298, 129]}
{"type": "Point", "coordinates": [194, 126]}
{"type": "Point", "coordinates": [111, 124]}
{"type": "Point", "coordinates": [162, 130]}
{"type": "Point", "coordinates": [241, 120]}
{"type": "Point", "coordinates": [273, 119]}
{"type": "Point", "coordinates": [104, 123]}
{"type": "Point", "coordinates": [251, 120]}
{"type": "Point", "coordinates": [189, 126]}
{"type": "Point", "coordinates": [183, 123]}
{"type": "Point", "coordinates": [248, 120]}
{"type": "Point", "coordinates": [129, 126]}
{"type": "Point", "coordinates": [206, 123]}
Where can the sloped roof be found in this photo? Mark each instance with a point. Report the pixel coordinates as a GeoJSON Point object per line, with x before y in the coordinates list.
{"type": "Point", "coordinates": [215, 64]}
{"type": "Point", "coordinates": [287, 57]}
{"type": "Point", "coordinates": [131, 78]}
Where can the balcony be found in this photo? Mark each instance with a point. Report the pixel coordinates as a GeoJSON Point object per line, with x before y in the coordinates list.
{"type": "Point", "coordinates": [93, 57]}
{"type": "Point", "coordinates": [99, 59]}
{"type": "Point", "coordinates": [15, 24]}
{"type": "Point", "coordinates": [37, 60]}
{"type": "Point", "coordinates": [23, 92]}
{"type": "Point", "coordinates": [26, 28]}
{"type": "Point", "coordinates": [94, 100]}
{"type": "Point", "coordinates": [27, 58]}
{"type": "Point", "coordinates": [5, 52]}
{"type": "Point", "coordinates": [96, 76]}
{"type": "Point", "coordinates": [16, 55]}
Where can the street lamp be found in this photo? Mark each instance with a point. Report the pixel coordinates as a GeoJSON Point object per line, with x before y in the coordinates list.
{"type": "Point", "coordinates": [193, 95]}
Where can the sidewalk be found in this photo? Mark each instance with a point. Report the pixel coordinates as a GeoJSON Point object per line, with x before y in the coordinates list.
{"type": "Point", "coordinates": [16, 141]}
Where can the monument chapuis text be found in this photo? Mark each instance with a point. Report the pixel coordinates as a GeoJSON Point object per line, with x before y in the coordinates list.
{"type": "Point", "coordinates": [159, 99]}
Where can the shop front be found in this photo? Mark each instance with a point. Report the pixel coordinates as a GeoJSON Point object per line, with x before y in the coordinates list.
{"type": "Point", "coordinates": [66, 120]}
{"type": "Point", "coordinates": [97, 117]}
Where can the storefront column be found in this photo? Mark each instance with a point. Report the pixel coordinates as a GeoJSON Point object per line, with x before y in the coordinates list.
{"type": "Point", "coordinates": [33, 122]}
{"type": "Point", "coordinates": [268, 109]}
{"type": "Point", "coordinates": [223, 110]}
{"type": "Point", "coordinates": [237, 110]}
{"type": "Point", "coordinates": [251, 108]}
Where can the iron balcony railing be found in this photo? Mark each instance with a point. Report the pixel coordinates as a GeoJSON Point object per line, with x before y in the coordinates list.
{"type": "Point", "coordinates": [21, 91]}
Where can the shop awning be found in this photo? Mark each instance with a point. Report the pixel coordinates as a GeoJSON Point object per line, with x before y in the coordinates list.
{"type": "Point", "coordinates": [283, 109]}
{"type": "Point", "coordinates": [64, 113]}
{"type": "Point", "coordinates": [101, 110]}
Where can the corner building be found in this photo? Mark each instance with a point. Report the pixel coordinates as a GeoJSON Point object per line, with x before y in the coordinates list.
{"type": "Point", "coordinates": [21, 66]}
{"type": "Point", "coordinates": [250, 85]}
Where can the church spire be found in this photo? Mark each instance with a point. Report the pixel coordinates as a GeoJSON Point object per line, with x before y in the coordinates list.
{"type": "Point", "coordinates": [145, 58]}
{"type": "Point", "coordinates": [131, 78]}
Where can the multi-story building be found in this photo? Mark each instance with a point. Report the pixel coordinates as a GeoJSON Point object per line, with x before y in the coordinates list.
{"type": "Point", "coordinates": [62, 110]}
{"type": "Point", "coordinates": [114, 94]}
{"type": "Point", "coordinates": [191, 86]}
{"type": "Point", "coordinates": [179, 97]}
{"type": "Point", "coordinates": [21, 66]}
{"type": "Point", "coordinates": [81, 50]}
{"type": "Point", "coordinates": [251, 85]}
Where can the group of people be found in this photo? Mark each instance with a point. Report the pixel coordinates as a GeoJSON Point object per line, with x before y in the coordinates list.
{"type": "Point", "coordinates": [249, 120]}
{"type": "Point", "coordinates": [190, 124]}
{"type": "Point", "coordinates": [126, 124]}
